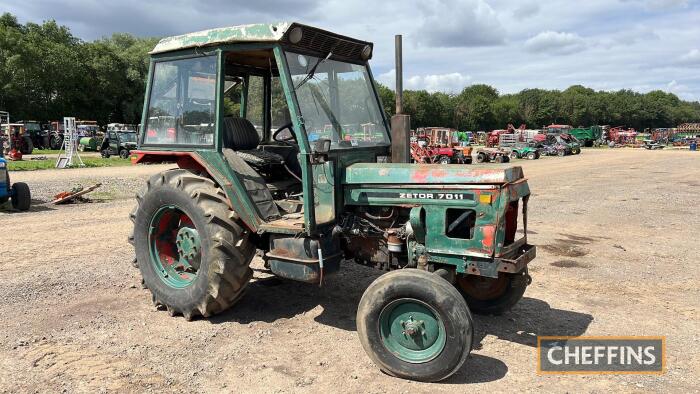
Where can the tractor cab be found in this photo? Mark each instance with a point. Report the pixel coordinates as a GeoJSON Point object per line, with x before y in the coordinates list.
{"type": "Point", "coordinates": [278, 109]}
{"type": "Point", "coordinates": [282, 148]}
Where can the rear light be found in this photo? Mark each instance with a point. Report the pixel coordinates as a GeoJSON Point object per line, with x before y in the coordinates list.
{"type": "Point", "coordinates": [171, 134]}
{"type": "Point", "coordinates": [151, 133]}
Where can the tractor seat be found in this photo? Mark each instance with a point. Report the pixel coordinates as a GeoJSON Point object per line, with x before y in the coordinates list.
{"type": "Point", "coordinates": [240, 135]}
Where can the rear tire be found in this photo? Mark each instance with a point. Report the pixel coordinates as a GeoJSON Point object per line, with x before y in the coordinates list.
{"type": "Point", "coordinates": [481, 158]}
{"type": "Point", "coordinates": [55, 142]}
{"type": "Point", "coordinates": [28, 146]}
{"type": "Point", "coordinates": [532, 156]}
{"type": "Point", "coordinates": [221, 264]}
{"type": "Point", "coordinates": [105, 154]}
{"type": "Point", "coordinates": [124, 154]}
{"type": "Point", "coordinates": [489, 296]}
{"type": "Point", "coordinates": [445, 160]}
{"type": "Point", "coordinates": [21, 196]}
{"type": "Point", "coordinates": [443, 329]}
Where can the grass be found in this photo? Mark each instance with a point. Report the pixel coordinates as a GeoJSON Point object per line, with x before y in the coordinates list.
{"type": "Point", "coordinates": [32, 165]}
{"type": "Point", "coordinates": [46, 151]}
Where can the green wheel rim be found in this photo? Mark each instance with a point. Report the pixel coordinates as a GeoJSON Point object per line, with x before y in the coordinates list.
{"type": "Point", "coordinates": [175, 247]}
{"type": "Point", "coordinates": [411, 330]}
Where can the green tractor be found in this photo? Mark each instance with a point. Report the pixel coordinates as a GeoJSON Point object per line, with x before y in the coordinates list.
{"type": "Point", "coordinates": [258, 120]}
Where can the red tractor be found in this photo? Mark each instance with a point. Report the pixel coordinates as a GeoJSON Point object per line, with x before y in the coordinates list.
{"type": "Point", "coordinates": [440, 145]}
{"type": "Point", "coordinates": [493, 137]}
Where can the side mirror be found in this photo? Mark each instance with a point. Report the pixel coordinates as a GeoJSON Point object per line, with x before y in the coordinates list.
{"type": "Point", "coordinates": [322, 146]}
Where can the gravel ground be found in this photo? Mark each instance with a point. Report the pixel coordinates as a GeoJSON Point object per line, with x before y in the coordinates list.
{"type": "Point", "coordinates": [617, 236]}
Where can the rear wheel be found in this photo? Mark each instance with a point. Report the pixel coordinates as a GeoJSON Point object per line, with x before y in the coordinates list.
{"type": "Point", "coordinates": [561, 153]}
{"type": "Point", "coordinates": [481, 157]}
{"type": "Point", "coordinates": [514, 154]}
{"type": "Point", "coordinates": [415, 325]}
{"type": "Point", "coordinates": [191, 250]}
{"type": "Point", "coordinates": [532, 155]}
{"type": "Point", "coordinates": [28, 146]}
{"type": "Point", "coordinates": [124, 154]}
{"type": "Point", "coordinates": [493, 296]}
{"type": "Point", "coordinates": [105, 154]}
{"type": "Point", "coordinates": [55, 141]}
{"type": "Point", "coordinates": [445, 160]}
{"type": "Point", "coordinates": [21, 196]}
{"type": "Point", "coordinates": [499, 159]}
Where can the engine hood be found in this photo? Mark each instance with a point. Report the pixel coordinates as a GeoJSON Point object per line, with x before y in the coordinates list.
{"type": "Point", "coordinates": [421, 174]}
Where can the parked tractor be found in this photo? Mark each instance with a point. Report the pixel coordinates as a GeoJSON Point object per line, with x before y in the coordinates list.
{"type": "Point", "coordinates": [55, 133]}
{"type": "Point", "coordinates": [18, 193]}
{"type": "Point", "coordinates": [252, 180]}
{"type": "Point", "coordinates": [441, 145]}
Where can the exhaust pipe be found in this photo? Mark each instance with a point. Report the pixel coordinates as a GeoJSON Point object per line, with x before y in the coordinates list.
{"type": "Point", "coordinates": [400, 123]}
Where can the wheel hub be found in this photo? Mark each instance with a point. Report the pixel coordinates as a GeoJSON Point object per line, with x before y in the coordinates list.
{"type": "Point", "coordinates": [188, 243]}
{"type": "Point", "coordinates": [412, 330]}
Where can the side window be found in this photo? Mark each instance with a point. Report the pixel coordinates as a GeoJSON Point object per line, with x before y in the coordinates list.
{"type": "Point", "coordinates": [182, 103]}
{"type": "Point", "coordinates": [256, 103]}
{"type": "Point", "coordinates": [278, 102]}
{"type": "Point", "coordinates": [233, 93]}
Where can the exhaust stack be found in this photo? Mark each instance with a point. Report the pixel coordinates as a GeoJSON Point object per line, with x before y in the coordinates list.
{"type": "Point", "coordinates": [400, 123]}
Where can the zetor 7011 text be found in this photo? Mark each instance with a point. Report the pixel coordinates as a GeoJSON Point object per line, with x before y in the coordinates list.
{"type": "Point", "coordinates": [282, 147]}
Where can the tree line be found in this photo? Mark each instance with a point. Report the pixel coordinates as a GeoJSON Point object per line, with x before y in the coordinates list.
{"type": "Point", "coordinates": [46, 73]}
{"type": "Point", "coordinates": [481, 107]}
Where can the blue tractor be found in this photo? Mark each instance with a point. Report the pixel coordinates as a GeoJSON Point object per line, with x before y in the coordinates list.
{"type": "Point", "coordinates": [18, 193]}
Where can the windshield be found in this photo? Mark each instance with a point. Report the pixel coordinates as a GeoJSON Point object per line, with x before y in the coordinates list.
{"type": "Point", "coordinates": [337, 102]}
{"type": "Point", "coordinates": [127, 137]}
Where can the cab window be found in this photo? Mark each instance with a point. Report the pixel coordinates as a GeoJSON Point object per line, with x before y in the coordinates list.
{"type": "Point", "coordinates": [182, 103]}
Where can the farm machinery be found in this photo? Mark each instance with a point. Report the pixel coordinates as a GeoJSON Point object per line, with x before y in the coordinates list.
{"type": "Point", "coordinates": [454, 239]}
{"type": "Point", "coordinates": [620, 136]}
{"type": "Point", "coordinates": [18, 193]}
{"type": "Point", "coordinates": [518, 150]}
{"type": "Point", "coordinates": [440, 145]}
{"type": "Point", "coordinates": [13, 138]}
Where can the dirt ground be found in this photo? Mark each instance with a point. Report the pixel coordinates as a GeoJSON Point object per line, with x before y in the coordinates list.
{"type": "Point", "coordinates": [617, 232]}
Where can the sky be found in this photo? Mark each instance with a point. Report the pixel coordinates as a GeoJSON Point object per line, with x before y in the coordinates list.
{"type": "Point", "coordinates": [512, 45]}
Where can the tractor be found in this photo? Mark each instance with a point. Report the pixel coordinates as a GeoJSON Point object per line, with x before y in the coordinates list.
{"type": "Point", "coordinates": [234, 108]}
{"type": "Point", "coordinates": [441, 145]}
{"type": "Point", "coordinates": [18, 193]}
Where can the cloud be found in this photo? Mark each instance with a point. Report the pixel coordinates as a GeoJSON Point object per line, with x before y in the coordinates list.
{"type": "Point", "coordinates": [449, 83]}
{"type": "Point", "coordinates": [526, 10]}
{"type": "Point", "coordinates": [453, 24]}
{"type": "Point", "coordinates": [554, 42]}
{"type": "Point", "coordinates": [659, 5]}
{"type": "Point", "coordinates": [692, 58]}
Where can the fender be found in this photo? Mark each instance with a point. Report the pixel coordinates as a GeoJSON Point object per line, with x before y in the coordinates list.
{"type": "Point", "coordinates": [213, 164]}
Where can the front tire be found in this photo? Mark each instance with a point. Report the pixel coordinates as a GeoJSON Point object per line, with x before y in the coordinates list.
{"type": "Point", "coordinates": [481, 157]}
{"type": "Point", "coordinates": [532, 156]}
{"type": "Point", "coordinates": [493, 296]}
{"type": "Point", "coordinates": [124, 154]}
{"type": "Point", "coordinates": [191, 249]}
{"type": "Point", "coordinates": [415, 325]}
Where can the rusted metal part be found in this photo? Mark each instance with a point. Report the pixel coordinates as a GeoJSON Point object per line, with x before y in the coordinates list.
{"type": "Point", "coordinates": [303, 259]}
{"type": "Point", "coordinates": [64, 197]}
{"type": "Point", "coordinates": [491, 268]}
{"type": "Point", "coordinates": [397, 173]}
{"type": "Point", "coordinates": [260, 32]}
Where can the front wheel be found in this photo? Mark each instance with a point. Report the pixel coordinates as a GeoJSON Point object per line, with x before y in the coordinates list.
{"type": "Point", "coordinates": [532, 156]}
{"type": "Point", "coordinates": [55, 142]}
{"type": "Point", "coordinates": [445, 160]}
{"type": "Point", "coordinates": [514, 154]}
{"type": "Point", "coordinates": [124, 154]}
{"type": "Point", "coordinates": [481, 157]}
{"type": "Point", "coordinates": [493, 296]}
{"type": "Point", "coordinates": [415, 325]}
{"type": "Point", "coordinates": [192, 251]}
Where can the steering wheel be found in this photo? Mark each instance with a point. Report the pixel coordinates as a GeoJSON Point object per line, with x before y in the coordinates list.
{"type": "Point", "coordinates": [291, 140]}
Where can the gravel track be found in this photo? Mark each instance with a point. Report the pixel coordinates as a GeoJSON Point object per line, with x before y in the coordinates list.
{"type": "Point", "coordinates": [617, 234]}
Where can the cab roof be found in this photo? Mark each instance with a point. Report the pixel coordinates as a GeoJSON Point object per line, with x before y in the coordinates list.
{"type": "Point", "coordinates": [311, 38]}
